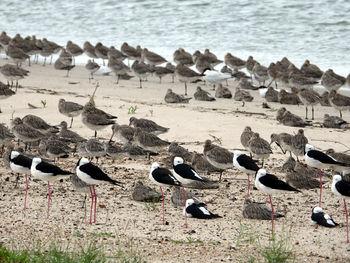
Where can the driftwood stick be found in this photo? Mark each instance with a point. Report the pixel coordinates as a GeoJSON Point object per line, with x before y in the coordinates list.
{"type": "Point", "coordinates": [322, 140]}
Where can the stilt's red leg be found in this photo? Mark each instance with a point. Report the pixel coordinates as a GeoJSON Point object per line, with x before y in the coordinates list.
{"type": "Point", "coordinates": [320, 202]}
{"type": "Point", "coordinates": [347, 224]}
{"type": "Point", "coordinates": [48, 202]}
{"type": "Point", "coordinates": [183, 191]}
{"type": "Point", "coordinates": [25, 198]}
{"type": "Point", "coordinates": [248, 187]}
{"type": "Point", "coordinates": [93, 187]}
{"type": "Point", "coordinates": [92, 202]}
{"type": "Point", "coordinates": [161, 190]}
{"type": "Point", "coordinates": [272, 212]}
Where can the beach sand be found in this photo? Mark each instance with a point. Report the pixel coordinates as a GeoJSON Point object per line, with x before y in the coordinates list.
{"type": "Point", "coordinates": [122, 222]}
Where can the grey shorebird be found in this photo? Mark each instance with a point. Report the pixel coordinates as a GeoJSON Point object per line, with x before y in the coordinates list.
{"type": "Point", "coordinates": [69, 109]}
{"type": "Point", "coordinates": [172, 97]}
{"type": "Point", "coordinates": [147, 125]}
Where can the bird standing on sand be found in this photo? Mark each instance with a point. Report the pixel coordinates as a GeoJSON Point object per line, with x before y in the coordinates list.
{"type": "Point", "coordinates": [69, 109]}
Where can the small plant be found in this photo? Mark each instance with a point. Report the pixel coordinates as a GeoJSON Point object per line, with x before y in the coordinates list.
{"type": "Point", "coordinates": [78, 234]}
{"type": "Point", "coordinates": [278, 251]}
{"type": "Point", "coordinates": [245, 234]}
{"type": "Point", "coordinates": [151, 112]}
{"type": "Point", "coordinates": [152, 206]}
{"type": "Point", "coordinates": [132, 109]}
{"type": "Point", "coordinates": [43, 102]}
{"type": "Point", "coordinates": [191, 240]}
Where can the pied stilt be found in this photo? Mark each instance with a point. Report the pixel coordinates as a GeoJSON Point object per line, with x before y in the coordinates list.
{"type": "Point", "coordinates": [318, 217]}
{"type": "Point", "coordinates": [198, 211]}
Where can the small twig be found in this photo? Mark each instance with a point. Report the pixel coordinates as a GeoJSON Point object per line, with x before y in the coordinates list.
{"type": "Point", "coordinates": [216, 139]}
{"type": "Point", "coordinates": [249, 113]}
{"type": "Point", "coordinates": [321, 140]}
{"type": "Point", "coordinates": [31, 106]}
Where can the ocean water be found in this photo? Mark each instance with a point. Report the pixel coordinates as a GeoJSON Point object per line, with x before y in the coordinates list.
{"type": "Point", "coordinates": [268, 30]}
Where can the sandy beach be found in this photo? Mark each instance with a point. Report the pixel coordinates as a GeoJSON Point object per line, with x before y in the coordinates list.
{"type": "Point", "coordinates": [123, 222]}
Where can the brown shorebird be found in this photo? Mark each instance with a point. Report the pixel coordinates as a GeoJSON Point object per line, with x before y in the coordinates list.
{"type": "Point", "coordinates": [218, 156]}
{"type": "Point", "coordinates": [5, 91]}
{"type": "Point", "coordinates": [223, 92]}
{"type": "Point", "coordinates": [68, 135]}
{"type": "Point", "coordinates": [254, 210]}
{"type": "Point", "coordinates": [114, 151]}
{"type": "Point", "coordinates": [334, 122]}
{"type": "Point", "coordinates": [74, 50]}
{"type": "Point", "coordinates": [147, 125]}
{"type": "Point", "coordinates": [95, 148]}
{"type": "Point", "coordinates": [24, 132]}
{"type": "Point", "coordinates": [152, 58]}
{"type": "Point", "coordinates": [259, 147]}
{"type": "Point", "coordinates": [39, 124]}
{"type": "Point", "coordinates": [324, 99]}
{"type": "Point", "coordinates": [148, 141]}
{"type": "Point", "coordinates": [54, 148]}
{"type": "Point", "coordinates": [141, 70]}
{"type": "Point", "coordinates": [16, 54]}
{"type": "Point", "coordinates": [12, 72]}
{"type": "Point", "coordinates": [246, 136]}
{"type": "Point", "coordinates": [180, 56]}
{"type": "Point", "coordinates": [60, 65]}
{"type": "Point", "coordinates": [260, 73]}
{"type": "Point", "coordinates": [5, 136]}
{"type": "Point", "coordinates": [332, 81]}
{"type": "Point", "coordinates": [185, 74]}
{"type": "Point", "coordinates": [209, 60]}
{"type": "Point", "coordinates": [285, 97]}
{"type": "Point", "coordinates": [301, 180]}
{"type": "Point", "coordinates": [246, 84]}
{"type": "Point", "coordinates": [46, 50]}
{"type": "Point", "coordinates": [289, 119]}
{"type": "Point", "coordinates": [311, 70]}
{"type": "Point", "coordinates": [101, 51]}
{"type": "Point", "coordinates": [131, 52]}
{"type": "Point", "coordinates": [309, 97]}
{"type": "Point", "coordinates": [234, 62]}
{"type": "Point", "coordinates": [118, 67]}
{"type": "Point", "coordinates": [172, 97]}
{"type": "Point", "coordinates": [80, 186]}
{"type": "Point", "coordinates": [202, 63]}
{"type": "Point", "coordinates": [177, 197]}
{"type": "Point", "coordinates": [201, 164]}
{"type": "Point", "coordinates": [96, 119]}
{"type": "Point", "coordinates": [115, 54]}
{"type": "Point", "coordinates": [298, 143]}
{"type": "Point", "coordinates": [283, 140]}
{"type": "Point", "coordinates": [271, 95]}
{"type": "Point", "coordinates": [202, 95]}
{"type": "Point", "coordinates": [250, 65]}
{"type": "Point", "coordinates": [49, 48]}
{"type": "Point", "coordinates": [136, 152]}
{"type": "Point", "coordinates": [89, 50]}
{"type": "Point", "coordinates": [69, 109]}
{"type": "Point", "coordinates": [92, 67]}
{"type": "Point", "coordinates": [339, 102]}
{"type": "Point", "coordinates": [161, 72]}
{"type": "Point", "coordinates": [177, 150]}
{"type": "Point", "coordinates": [273, 73]}
{"type": "Point", "coordinates": [4, 39]}
{"type": "Point", "coordinates": [340, 157]}
{"type": "Point", "coordinates": [171, 67]}
{"type": "Point", "coordinates": [124, 133]}
{"type": "Point", "coordinates": [242, 95]}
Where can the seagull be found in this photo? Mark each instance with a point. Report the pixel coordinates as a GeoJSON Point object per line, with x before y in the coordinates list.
{"type": "Point", "coordinates": [20, 163]}
{"type": "Point", "coordinates": [162, 177]}
{"type": "Point", "coordinates": [319, 217]}
{"type": "Point", "coordinates": [342, 189]}
{"type": "Point", "coordinates": [320, 160]}
{"type": "Point", "coordinates": [198, 211]}
{"type": "Point", "coordinates": [91, 174]}
{"type": "Point", "coordinates": [47, 172]}
{"type": "Point", "coordinates": [245, 164]}
{"type": "Point", "coordinates": [215, 77]}
{"type": "Point", "coordinates": [185, 174]}
{"type": "Point", "coordinates": [270, 184]}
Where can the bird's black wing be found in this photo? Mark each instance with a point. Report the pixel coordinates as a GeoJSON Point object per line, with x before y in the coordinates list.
{"type": "Point", "coordinates": [50, 168]}
{"type": "Point", "coordinates": [272, 181]}
{"type": "Point", "coordinates": [321, 219]}
{"type": "Point", "coordinates": [23, 161]}
{"type": "Point", "coordinates": [187, 172]}
{"type": "Point", "coordinates": [343, 188]}
{"type": "Point", "coordinates": [96, 173]}
{"type": "Point", "coordinates": [322, 157]}
{"type": "Point", "coordinates": [247, 162]}
{"type": "Point", "coordinates": [200, 212]}
{"type": "Point", "coordinates": [164, 176]}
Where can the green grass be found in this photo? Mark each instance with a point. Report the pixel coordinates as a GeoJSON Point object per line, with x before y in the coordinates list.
{"type": "Point", "coordinates": [153, 204]}
{"type": "Point", "coordinates": [57, 254]}
{"type": "Point", "coordinates": [132, 109]}
{"type": "Point", "coordinates": [278, 251]}
{"type": "Point", "coordinates": [189, 240]}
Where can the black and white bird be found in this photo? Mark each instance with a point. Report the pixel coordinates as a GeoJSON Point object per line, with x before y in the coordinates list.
{"type": "Point", "coordinates": [91, 174]}
{"type": "Point", "coordinates": [198, 211]}
{"type": "Point", "coordinates": [246, 164]}
{"type": "Point", "coordinates": [270, 184]}
{"type": "Point", "coordinates": [341, 188]}
{"type": "Point", "coordinates": [47, 172]}
{"type": "Point", "coordinates": [162, 177]}
{"type": "Point", "coordinates": [185, 174]}
{"type": "Point", "coordinates": [318, 217]}
{"type": "Point", "coordinates": [320, 160]}
{"type": "Point", "coordinates": [21, 164]}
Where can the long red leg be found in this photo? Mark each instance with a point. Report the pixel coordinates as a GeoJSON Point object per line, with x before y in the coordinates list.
{"type": "Point", "coordinates": [347, 225]}
{"type": "Point", "coordinates": [92, 202]}
{"type": "Point", "coordinates": [48, 202]}
{"type": "Point", "coordinates": [95, 195]}
{"type": "Point", "coordinates": [272, 212]}
{"type": "Point", "coordinates": [183, 191]}
{"type": "Point", "coordinates": [25, 198]}
{"type": "Point", "coordinates": [248, 187]}
{"type": "Point", "coordinates": [320, 173]}
{"type": "Point", "coordinates": [161, 190]}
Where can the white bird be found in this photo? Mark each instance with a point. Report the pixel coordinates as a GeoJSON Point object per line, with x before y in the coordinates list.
{"type": "Point", "coordinates": [215, 77]}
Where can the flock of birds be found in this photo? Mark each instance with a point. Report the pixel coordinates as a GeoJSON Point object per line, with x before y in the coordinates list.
{"type": "Point", "coordinates": [140, 138]}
